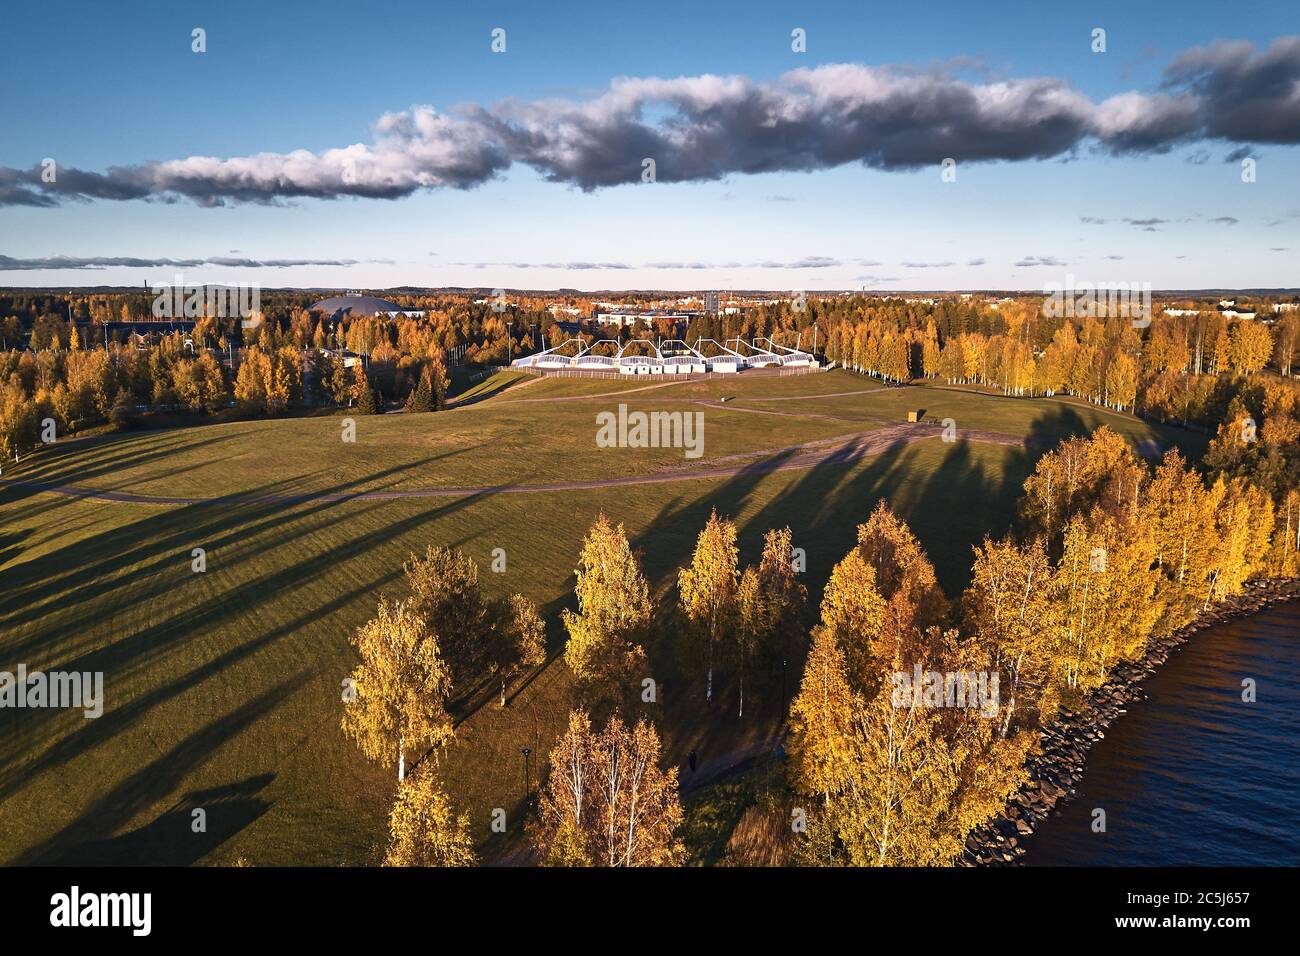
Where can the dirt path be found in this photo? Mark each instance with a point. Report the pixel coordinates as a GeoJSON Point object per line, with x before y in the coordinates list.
{"type": "Point", "coordinates": [847, 450]}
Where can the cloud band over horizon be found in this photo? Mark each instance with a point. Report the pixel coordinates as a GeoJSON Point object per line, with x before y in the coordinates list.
{"type": "Point", "coordinates": [708, 127]}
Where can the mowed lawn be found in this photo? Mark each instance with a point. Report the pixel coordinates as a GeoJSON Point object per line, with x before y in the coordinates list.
{"type": "Point", "coordinates": [494, 443]}
{"type": "Point", "coordinates": [223, 687]}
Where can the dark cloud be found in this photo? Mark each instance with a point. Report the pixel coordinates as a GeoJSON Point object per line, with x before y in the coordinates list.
{"type": "Point", "coordinates": [708, 127]}
{"type": "Point", "coordinates": [1243, 96]}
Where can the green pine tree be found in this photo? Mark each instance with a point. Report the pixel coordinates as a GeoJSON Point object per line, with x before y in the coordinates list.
{"type": "Point", "coordinates": [366, 403]}
{"type": "Point", "coordinates": [421, 397]}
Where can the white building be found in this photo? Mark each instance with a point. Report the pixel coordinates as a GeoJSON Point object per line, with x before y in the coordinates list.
{"type": "Point", "coordinates": [355, 305]}
{"type": "Point", "coordinates": [668, 357]}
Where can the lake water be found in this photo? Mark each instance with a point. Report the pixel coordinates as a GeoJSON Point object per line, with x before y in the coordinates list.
{"type": "Point", "coordinates": [1194, 776]}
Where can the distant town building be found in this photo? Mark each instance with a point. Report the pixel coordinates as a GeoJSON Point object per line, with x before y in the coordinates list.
{"type": "Point", "coordinates": [624, 319]}
{"type": "Point", "coordinates": [712, 302]}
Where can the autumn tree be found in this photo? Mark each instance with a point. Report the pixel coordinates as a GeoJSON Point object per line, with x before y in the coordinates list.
{"type": "Point", "coordinates": [769, 606]}
{"type": "Point", "coordinates": [1243, 527]}
{"type": "Point", "coordinates": [708, 588]}
{"type": "Point", "coordinates": [1284, 549]}
{"type": "Point", "coordinates": [1010, 615]}
{"type": "Point", "coordinates": [424, 829]}
{"type": "Point", "coordinates": [478, 637]}
{"type": "Point", "coordinates": [900, 807]}
{"type": "Point", "coordinates": [519, 641]}
{"type": "Point", "coordinates": [1104, 590]}
{"type": "Point", "coordinates": [1250, 346]}
{"type": "Point", "coordinates": [251, 380]}
{"type": "Point", "coordinates": [400, 688]}
{"type": "Point", "coordinates": [750, 625]}
{"type": "Point", "coordinates": [613, 616]}
{"type": "Point", "coordinates": [1121, 381]}
{"type": "Point", "coordinates": [607, 800]}
{"type": "Point", "coordinates": [821, 720]}
{"type": "Point", "coordinates": [904, 575]}
{"type": "Point", "coordinates": [897, 784]}
{"type": "Point", "coordinates": [854, 614]}
{"type": "Point", "coordinates": [1079, 474]}
{"type": "Point", "coordinates": [1180, 511]}
{"type": "Point", "coordinates": [19, 422]}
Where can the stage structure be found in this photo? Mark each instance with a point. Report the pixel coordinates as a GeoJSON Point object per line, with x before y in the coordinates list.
{"type": "Point", "coordinates": [666, 357]}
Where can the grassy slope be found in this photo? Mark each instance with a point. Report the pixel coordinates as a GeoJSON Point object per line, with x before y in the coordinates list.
{"type": "Point", "coordinates": [223, 687]}
{"type": "Point", "coordinates": [486, 444]}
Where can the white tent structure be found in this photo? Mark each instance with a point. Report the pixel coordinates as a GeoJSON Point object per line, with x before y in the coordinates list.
{"type": "Point", "coordinates": [667, 357]}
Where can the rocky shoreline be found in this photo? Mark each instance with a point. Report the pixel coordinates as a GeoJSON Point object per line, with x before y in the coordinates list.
{"type": "Point", "coordinates": [1056, 770]}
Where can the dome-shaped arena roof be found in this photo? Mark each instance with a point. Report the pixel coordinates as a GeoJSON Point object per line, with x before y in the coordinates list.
{"type": "Point", "coordinates": [355, 305]}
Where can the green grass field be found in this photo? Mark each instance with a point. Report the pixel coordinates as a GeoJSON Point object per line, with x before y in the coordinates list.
{"type": "Point", "coordinates": [223, 688]}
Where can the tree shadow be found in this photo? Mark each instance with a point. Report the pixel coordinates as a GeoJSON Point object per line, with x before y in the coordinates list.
{"type": "Point", "coordinates": [120, 659]}
{"type": "Point", "coordinates": [170, 839]}
{"type": "Point", "coordinates": [96, 828]}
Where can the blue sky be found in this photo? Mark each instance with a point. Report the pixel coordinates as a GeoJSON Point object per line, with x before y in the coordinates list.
{"type": "Point", "coordinates": [95, 86]}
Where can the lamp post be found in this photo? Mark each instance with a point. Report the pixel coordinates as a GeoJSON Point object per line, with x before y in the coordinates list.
{"type": "Point", "coordinates": [527, 782]}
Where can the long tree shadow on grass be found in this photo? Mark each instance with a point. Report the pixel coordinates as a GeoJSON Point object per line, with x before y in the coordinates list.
{"type": "Point", "coordinates": [170, 839]}
{"type": "Point", "coordinates": [98, 823]}
{"type": "Point", "coordinates": [69, 463]}
{"type": "Point", "coordinates": [117, 659]}
{"type": "Point", "coordinates": [171, 533]}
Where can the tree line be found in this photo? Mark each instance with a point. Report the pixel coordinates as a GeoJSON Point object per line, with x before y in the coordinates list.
{"type": "Point", "coordinates": [1108, 554]}
{"type": "Point", "coordinates": [78, 388]}
{"type": "Point", "coordinates": [1179, 367]}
